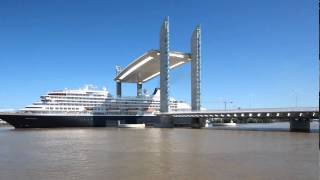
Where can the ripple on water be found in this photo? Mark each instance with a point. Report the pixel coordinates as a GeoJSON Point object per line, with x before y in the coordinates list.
{"type": "Point", "coordinates": [107, 153]}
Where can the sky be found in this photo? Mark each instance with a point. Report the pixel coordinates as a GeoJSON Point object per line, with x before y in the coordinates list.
{"type": "Point", "coordinates": [255, 53]}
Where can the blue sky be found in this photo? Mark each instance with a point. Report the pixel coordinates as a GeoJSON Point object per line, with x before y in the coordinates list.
{"type": "Point", "coordinates": [256, 53]}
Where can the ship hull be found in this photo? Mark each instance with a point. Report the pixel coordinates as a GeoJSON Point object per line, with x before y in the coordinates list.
{"type": "Point", "coordinates": [54, 121]}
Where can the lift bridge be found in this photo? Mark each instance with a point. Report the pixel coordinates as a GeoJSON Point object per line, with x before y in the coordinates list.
{"type": "Point", "coordinates": [159, 62]}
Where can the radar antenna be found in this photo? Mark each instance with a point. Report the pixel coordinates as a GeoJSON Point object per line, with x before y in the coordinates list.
{"type": "Point", "coordinates": [145, 91]}
{"type": "Point", "coordinates": [118, 70]}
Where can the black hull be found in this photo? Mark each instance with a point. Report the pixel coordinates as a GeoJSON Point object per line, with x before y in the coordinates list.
{"type": "Point", "coordinates": [54, 121]}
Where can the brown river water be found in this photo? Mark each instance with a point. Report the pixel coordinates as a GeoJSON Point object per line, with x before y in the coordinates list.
{"type": "Point", "coordinates": [111, 153]}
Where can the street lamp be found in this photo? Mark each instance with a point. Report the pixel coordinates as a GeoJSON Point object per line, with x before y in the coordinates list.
{"type": "Point", "coordinates": [225, 104]}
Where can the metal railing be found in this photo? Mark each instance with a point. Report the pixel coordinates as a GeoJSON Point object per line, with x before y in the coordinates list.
{"type": "Point", "coordinates": [256, 110]}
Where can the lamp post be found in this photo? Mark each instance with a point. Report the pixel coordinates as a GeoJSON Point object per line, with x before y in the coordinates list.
{"type": "Point", "coordinates": [295, 94]}
{"type": "Point", "coordinates": [225, 103]}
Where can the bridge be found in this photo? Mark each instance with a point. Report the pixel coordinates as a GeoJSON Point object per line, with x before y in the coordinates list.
{"type": "Point", "coordinates": [299, 117]}
{"type": "Point", "coordinates": [159, 62]}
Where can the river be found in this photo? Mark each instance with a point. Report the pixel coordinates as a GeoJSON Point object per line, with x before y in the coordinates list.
{"type": "Point", "coordinates": [151, 153]}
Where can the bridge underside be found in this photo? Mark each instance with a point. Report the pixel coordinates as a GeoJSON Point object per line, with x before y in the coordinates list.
{"type": "Point", "coordinates": [147, 66]}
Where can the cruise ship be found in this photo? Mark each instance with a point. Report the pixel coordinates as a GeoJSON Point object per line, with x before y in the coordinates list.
{"type": "Point", "coordinates": [89, 107]}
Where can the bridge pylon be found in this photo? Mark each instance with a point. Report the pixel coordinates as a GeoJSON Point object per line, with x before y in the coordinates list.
{"type": "Point", "coordinates": [195, 69]}
{"type": "Point", "coordinates": [164, 74]}
{"type": "Point", "coordinates": [164, 66]}
{"type": "Point", "coordinates": [165, 121]}
{"type": "Point", "coordinates": [196, 76]}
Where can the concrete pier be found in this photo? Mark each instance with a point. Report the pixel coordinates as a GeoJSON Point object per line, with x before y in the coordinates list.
{"type": "Point", "coordinates": [300, 125]}
{"type": "Point", "coordinates": [139, 89]}
{"type": "Point", "coordinates": [197, 123]}
{"type": "Point", "coordinates": [119, 91]}
{"type": "Point", "coordinates": [166, 122]}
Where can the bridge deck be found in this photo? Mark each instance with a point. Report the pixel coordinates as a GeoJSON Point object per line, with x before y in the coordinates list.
{"type": "Point", "coordinates": [310, 112]}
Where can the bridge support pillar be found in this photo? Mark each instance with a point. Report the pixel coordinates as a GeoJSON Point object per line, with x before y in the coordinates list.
{"type": "Point", "coordinates": [119, 92]}
{"type": "Point", "coordinates": [166, 122]}
{"type": "Point", "coordinates": [197, 123]}
{"type": "Point", "coordinates": [139, 89]}
{"type": "Point", "coordinates": [300, 125]}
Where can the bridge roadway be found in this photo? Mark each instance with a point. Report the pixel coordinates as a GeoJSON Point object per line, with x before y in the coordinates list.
{"type": "Point", "coordinates": [299, 117]}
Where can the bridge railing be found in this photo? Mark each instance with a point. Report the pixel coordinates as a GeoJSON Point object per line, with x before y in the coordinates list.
{"type": "Point", "coordinates": [270, 113]}
{"type": "Point", "coordinates": [256, 110]}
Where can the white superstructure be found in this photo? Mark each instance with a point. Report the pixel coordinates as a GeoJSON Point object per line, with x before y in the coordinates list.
{"type": "Point", "coordinates": [91, 100]}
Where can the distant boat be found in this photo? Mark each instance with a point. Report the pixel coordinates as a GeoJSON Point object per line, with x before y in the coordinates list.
{"type": "Point", "coordinates": [3, 122]}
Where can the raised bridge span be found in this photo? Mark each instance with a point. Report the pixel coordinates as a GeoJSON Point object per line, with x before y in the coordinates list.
{"type": "Point", "coordinates": [299, 117]}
